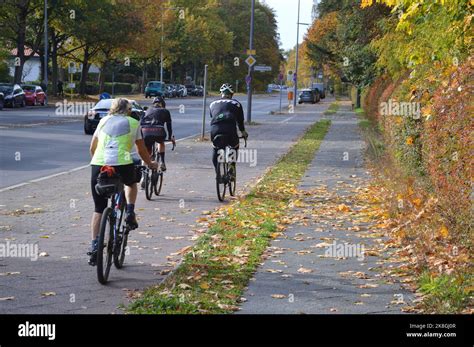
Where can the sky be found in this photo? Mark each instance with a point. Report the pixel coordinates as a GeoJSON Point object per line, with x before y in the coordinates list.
{"type": "Point", "coordinates": [287, 14]}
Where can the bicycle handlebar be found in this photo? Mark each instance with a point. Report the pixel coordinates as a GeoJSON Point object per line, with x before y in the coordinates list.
{"type": "Point", "coordinates": [174, 144]}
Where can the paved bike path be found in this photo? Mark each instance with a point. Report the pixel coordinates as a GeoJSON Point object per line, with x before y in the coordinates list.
{"type": "Point", "coordinates": [55, 214]}
{"type": "Point", "coordinates": [298, 275]}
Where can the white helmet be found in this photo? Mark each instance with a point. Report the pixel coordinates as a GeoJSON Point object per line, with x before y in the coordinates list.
{"type": "Point", "coordinates": [226, 89]}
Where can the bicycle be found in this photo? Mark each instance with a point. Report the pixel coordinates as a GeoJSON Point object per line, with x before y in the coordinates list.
{"type": "Point", "coordinates": [114, 231]}
{"type": "Point", "coordinates": [153, 179]}
{"type": "Point", "coordinates": [226, 172]}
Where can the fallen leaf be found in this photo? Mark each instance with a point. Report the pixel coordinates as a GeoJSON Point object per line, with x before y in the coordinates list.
{"type": "Point", "coordinates": [278, 296]}
{"type": "Point", "coordinates": [48, 294]}
{"type": "Point", "coordinates": [304, 270]}
{"type": "Point", "coordinates": [7, 298]}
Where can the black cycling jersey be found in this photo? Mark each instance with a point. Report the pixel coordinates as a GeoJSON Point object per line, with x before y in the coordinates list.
{"type": "Point", "coordinates": [156, 117]}
{"type": "Point", "coordinates": [226, 115]}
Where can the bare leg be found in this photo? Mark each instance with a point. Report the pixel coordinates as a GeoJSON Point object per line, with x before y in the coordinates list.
{"type": "Point", "coordinates": [131, 193]}
{"type": "Point", "coordinates": [95, 224]}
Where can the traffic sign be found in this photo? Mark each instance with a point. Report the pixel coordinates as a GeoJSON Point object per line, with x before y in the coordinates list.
{"type": "Point", "coordinates": [248, 79]}
{"type": "Point", "coordinates": [250, 61]}
{"type": "Point", "coordinates": [251, 51]}
{"type": "Point", "coordinates": [262, 68]}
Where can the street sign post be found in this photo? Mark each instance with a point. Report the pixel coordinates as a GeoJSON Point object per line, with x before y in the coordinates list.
{"type": "Point", "coordinates": [262, 68]}
{"type": "Point", "coordinates": [250, 61]}
{"type": "Point", "coordinates": [281, 77]}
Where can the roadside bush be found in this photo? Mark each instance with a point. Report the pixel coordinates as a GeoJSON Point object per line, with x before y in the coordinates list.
{"type": "Point", "coordinates": [448, 145]}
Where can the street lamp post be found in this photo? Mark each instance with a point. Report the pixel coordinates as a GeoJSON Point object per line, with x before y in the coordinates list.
{"type": "Point", "coordinates": [297, 52]}
{"type": "Point", "coordinates": [249, 85]}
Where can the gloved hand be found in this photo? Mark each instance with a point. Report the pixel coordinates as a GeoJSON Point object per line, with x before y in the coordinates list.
{"type": "Point", "coordinates": [245, 134]}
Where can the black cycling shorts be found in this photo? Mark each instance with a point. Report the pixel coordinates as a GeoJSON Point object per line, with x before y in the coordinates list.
{"type": "Point", "coordinates": [127, 174]}
{"type": "Point", "coordinates": [150, 140]}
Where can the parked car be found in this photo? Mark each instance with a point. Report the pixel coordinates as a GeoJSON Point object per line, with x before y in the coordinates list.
{"type": "Point", "coordinates": [307, 96]}
{"type": "Point", "coordinates": [182, 91]}
{"type": "Point", "coordinates": [2, 100]}
{"type": "Point", "coordinates": [190, 89]}
{"type": "Point", "coordinates": [320, 87]}
{"type": "Point", "coordinates": [101, 109]}
{"type": "Point", "coordinates": [154, 88]}
{"type": "Point", "coordinates": [34, 95]}
{"type": "Point", "coordinates": [198, 91]}
{"type": "Point", "coordinates": [14, 95]}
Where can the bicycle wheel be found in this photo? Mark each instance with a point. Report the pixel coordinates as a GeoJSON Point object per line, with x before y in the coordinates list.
{"type": "Point", "coordinates": [158, 183]}
{"type": "Point", "coordinates": [221, 183]}
{"type": "Point", "coordinates": [105, 246]}
{"type": "Point", "coordinates": [121, 233]}
{"type": "Point", "coordinates": [148, 184]}
{"type": "Point", "coordinates": [232, 179]}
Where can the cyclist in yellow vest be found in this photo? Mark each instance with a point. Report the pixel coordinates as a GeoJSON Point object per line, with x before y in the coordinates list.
{"type": "Point", "coordinates": [112, 144]}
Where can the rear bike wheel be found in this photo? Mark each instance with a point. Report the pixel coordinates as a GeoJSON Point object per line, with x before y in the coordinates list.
{"type": "Point", "coordinates": [121, 232]}
{"type": "Point", "coordinates": [221, 183]}
{"type": "Point", "coordinates": [158, 183]}
{"type": "Point", "coordinates": [232, 178]}
{"type": "Point", "coordinates": [121, 250]}
{"type": "Point", "coordinates": [105, 246]}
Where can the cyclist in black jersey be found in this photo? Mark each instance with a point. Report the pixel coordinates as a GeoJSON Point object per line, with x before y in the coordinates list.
{"type": "Point", "coordinates": [153, 128]}
{"type": "Point", "coordinates": [227, 114]}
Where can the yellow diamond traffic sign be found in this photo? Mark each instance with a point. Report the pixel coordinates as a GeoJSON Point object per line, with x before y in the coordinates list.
{"type": "Point", "coordinates": [250, 61]}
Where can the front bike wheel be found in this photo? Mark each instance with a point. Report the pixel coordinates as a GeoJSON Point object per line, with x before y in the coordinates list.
{"type": "Point", "coordinates": [221, 183]}
{"type": "Point", "coordinates": [158, 183]}
{"type": "Point", "coordinates": [232, 179]}
{"type": "Point", "coordinates": [105, 246]}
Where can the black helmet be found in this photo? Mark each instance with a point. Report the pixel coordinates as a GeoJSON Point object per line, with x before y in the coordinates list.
{"type": "Point", "coordinates": [159, 100]}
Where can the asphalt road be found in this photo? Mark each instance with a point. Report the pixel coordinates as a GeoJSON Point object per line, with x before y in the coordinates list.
{"type": "Point", "coordinates": [37, 141]}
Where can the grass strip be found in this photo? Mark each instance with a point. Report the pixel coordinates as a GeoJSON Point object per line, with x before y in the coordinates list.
{"type": "Point", "coordinates": [332, 109]}
{"type": "Point", "coordinates": [213, 275]}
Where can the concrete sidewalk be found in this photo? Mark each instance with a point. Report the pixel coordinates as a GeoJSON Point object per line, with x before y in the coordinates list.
{"type": "Point", "coordinates": [55, 214]}
{"type": "Point", "coordinates": [299, 275]}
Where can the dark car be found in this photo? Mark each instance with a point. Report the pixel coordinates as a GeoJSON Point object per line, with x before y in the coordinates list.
{"type": "Point", "coordinates": [198, 91]}
{"type": "Point", "coordinates": [13, 94]}
{"type": "Point", "coordinates": [190, 89]}
{"type": "Point", "coordinates": [320, 87]}
{"type": "Point", "coordinates": [101, 109]}
{"type": "Point", "coordinates": [317, 95]}
{"type": "Point", "coordinates": [154, 88]}
{"type": "Point", "coordinates": [2, 100]}
{"type": "Point", "coordinates": [307, 96]}
{"type": "Point", "coordinates": [34, 95]}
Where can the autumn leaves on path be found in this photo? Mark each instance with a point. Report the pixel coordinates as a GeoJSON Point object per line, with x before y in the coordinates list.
{"type": "Point", "coordinates": [333, 256]}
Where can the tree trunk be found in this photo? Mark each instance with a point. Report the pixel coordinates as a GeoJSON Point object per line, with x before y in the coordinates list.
{"type": "Point", "coordinates": [85, 71]}
{"type": "Point", "coordinates": [358, 98]}
{"type": "Point", "coordinates": [54, 62]}
{"type": "Point", "coordinates": [20, 45]}
{"type": "Point", "coordinates": [103, 70]}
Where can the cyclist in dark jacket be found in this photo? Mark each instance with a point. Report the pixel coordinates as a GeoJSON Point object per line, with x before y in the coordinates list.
{"type": "Point", "coordinates": [153, 128]}
{"type": "Point", "coordinates": [227, 114]}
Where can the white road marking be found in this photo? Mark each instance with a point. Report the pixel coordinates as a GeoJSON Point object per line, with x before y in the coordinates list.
{"type": "Point", "coordinates": [67, 171]}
